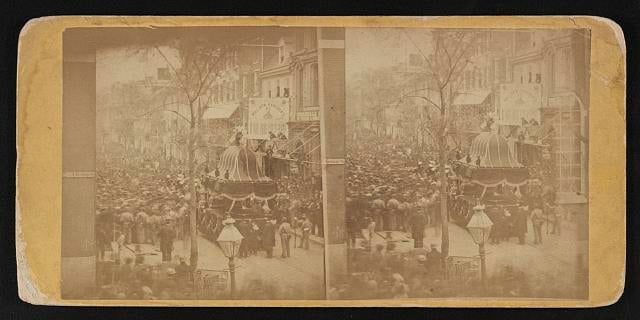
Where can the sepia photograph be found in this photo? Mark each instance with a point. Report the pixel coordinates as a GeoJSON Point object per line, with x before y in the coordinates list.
{"type": "Point", "coordinates": [208, 181]}
{"type": "Point", "coordinates": [467, 163]}
{"type": "Point", "coordinates": [321, 161]}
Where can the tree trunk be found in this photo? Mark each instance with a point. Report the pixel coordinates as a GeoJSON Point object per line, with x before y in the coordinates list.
{"type": "Point", "coordinates": [193, 231]}
{"type": "Point", "coordinates": [444, 215]}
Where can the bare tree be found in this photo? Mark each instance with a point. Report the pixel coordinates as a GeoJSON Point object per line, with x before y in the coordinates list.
{"type": "Point", "coordinates": [199, 62]}
{"type": "Point", "coordinates": [444, 67]}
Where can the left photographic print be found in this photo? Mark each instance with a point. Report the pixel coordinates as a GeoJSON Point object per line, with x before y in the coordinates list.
{"type": "Point", "coordinates": [191, 164]}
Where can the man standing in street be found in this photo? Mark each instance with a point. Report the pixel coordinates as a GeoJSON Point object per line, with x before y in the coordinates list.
{"type": "Point", "coordinates": [306, 232]}
{"type": "Point", "coordinates": [244, 229]}
{"type": "Point", "coordinates": [371, 228]}
{"type": "Point", "coordinates": [352, 231]}
{"type": "Point", "coordinates": [269, 237]}
{"type": "Point", "coordinates": [166, 236]}
{"type": "Point", "coordinates": [285, 235]}
{"type": "Point", "coordinates": [418, 223]}
{"type": "Point", "coordinates": [537, 219]}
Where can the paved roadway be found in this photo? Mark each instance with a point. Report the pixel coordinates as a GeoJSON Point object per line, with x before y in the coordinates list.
{"type": "Point", "coordinates": [299, 277]}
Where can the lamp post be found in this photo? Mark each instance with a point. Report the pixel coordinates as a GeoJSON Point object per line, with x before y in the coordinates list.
{"type": "Point", "coordinates": [229, 241]}
{"type": "Point", "coordinates": [479, 227]}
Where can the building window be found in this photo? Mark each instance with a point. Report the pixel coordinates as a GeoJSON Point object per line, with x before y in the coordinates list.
{"type": "Point", "coordinates": [164, 74]}
{"type": "Point", "coordinates": [285, 89]}
{"type": "Point", "coordinates": [567, 149]}
{"type": "Point", "coordinates": [314, 84]}
{"type": "Point", "coordinates": [299, 40]}
{"type": "Point", "coordinates": [310, 85]}
{"type": "Point", "coordinates": [281, 54]}
{"type": "Point", "coordinates": [415, 60]}
{"type": "Point", "coordinates": [501, 70]}
{"type": "Point", "coordinates": [310, 39]}
{"type": "Point", "coordinates": [562, 69]}
{"type": "Point", "coordinates": [256, 83]}
{"type": "Point", "coordinates": [243, 85]}
{"type": "Point", "coordinates": [476, 77]}
{"type": "Point", "coordinates": [300, 87]}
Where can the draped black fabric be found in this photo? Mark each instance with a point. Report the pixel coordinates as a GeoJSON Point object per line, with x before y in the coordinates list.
{"type": "Point", "coordinates": [246, 178]}
{"type": "Point", "coordinates": [491, 177]}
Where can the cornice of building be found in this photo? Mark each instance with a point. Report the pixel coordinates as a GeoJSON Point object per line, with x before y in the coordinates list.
{"type": "Point", "coordinates": [275, 71]}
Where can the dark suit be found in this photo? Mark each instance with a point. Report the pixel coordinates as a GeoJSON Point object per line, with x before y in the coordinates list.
{"type": "Point", "coordinates": [166, 236]}
{"type": "Point", "coordinates": [243, 227]}
{"type": "Point", "coordinates": [268, 238]}
{"type": "Point", "coordinates": [418, 223]}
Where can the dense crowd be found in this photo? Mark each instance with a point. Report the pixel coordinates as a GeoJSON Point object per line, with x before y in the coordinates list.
{"type": "Point", "coordinates": [140, 205]}
{"type": "Point", "coordinates": [391, 187]}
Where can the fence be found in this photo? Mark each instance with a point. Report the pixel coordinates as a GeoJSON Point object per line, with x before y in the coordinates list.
{"type": "Point", "coordinates": [210, 284]}
{"type": "Point", "coordinates": [463, 269]}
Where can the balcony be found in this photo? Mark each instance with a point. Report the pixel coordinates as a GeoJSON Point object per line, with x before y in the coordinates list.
{"type": "Point", "coordinates": [308, 115]}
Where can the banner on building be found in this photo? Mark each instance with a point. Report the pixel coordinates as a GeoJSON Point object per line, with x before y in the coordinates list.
{"type": "Point", "coordinates": [519, 101]}
{"type": "Point", "coordinates": [268, 115]}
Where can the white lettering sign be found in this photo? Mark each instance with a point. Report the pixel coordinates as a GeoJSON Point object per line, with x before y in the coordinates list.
{"type": "Point", "coordinates": [519, 101]}
{"type": "Point", "coordinates": [268, 115]}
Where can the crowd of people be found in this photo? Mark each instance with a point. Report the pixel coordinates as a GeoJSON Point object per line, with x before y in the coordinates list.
{"type": "Point", "coordinates": [386, 272]}
{"type": "Point", "coordinates": [142, 204]}
{"type": "Point", "coordinates": [392, 187]}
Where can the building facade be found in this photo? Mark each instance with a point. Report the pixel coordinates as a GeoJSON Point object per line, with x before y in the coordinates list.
{"type": "Point", "coordinates": [290, 73]}
{"type": "Point", "coordinates": [557, 61]}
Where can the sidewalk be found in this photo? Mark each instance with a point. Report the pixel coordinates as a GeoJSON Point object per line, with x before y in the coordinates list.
{"type": "Point", "coordinates": [551, 264]}
{"type": "Point", "coordinates": [299, 277]}
{"type": "Point", "coordinates": [312, 238]}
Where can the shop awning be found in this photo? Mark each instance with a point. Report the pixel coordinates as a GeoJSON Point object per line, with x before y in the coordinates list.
{"type": "Point", "coordinates": [471, 98]}
{"type": "Point", "coordinates": [220, 111]}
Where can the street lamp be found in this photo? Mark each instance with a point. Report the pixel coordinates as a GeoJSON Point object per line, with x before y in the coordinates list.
{"type": "Point", "coordinates": [479, 227]}
{"type": "Point", "coordinates": [229, 241]}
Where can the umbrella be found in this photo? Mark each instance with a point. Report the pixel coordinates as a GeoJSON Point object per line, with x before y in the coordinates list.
{"type": "Point", "coordinates": [393, 204]}
{"type": "Point", "coordinates": [377, 204]}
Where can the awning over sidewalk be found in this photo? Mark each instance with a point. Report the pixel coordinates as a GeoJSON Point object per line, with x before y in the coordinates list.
{"type": "Point", "coordinates": [220, 111]}
{"type": "Point", "coordinates": [471, 98]}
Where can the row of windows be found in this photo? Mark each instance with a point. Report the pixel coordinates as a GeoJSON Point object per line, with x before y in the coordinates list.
{"type": "Point", "coordinates": [305, 88]}
{"type": "Point", "coordinates": [225, 92]}
{"type": "Point", "coordinates": [307, 80]}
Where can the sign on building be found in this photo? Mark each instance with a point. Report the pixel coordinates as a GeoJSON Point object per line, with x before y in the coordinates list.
{"type": "Point", "coordinates": [519, 101]}
{"type": "Point", "coordinates": [268, 115]}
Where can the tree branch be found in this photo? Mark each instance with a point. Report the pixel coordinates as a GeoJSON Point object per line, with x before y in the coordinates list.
{"type": "Point", "coordinates": [175, 72]}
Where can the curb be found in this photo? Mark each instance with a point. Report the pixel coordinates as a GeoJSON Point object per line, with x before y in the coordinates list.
{"type": "Point", "coordinates": [312, 238]}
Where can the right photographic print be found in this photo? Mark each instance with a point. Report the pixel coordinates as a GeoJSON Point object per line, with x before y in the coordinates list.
{"type": "Point", "coordinates": [466, 163]}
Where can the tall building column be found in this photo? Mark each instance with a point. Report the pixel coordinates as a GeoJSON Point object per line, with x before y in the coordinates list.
{"type": "Point", "coordinates": [331, 62]}
{"type": "Point", "coordinates": [78, 264]}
